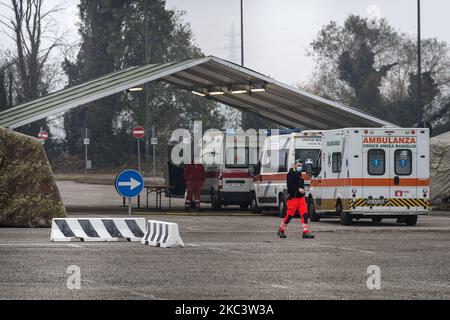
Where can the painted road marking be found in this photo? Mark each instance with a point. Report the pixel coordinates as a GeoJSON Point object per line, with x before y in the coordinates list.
{"type": "Point", "coordinates": [40, 245]}
{"type": "Point", "coordinates": [342, 248]}
{"type": "Point", "coordinates": [278, 286]}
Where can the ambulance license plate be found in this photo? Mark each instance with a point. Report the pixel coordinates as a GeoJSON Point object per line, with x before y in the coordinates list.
{"type": "Point", "coordinates": [375, 201]}
{"type": "Point", "coordinates": [236, 185]}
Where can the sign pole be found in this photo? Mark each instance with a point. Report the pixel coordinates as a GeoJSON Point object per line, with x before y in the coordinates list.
{"type": "Point", "coordinates": [154, 155]}
{"type": "Point", "coordinates": [139, 154]}
{"type": "Point", "coordinates": [85, 154]}
{"type": "Point", "coordinates": [129, 184]}
{"type": "Point", "coordinates": [139, 133]}
{"type": "Point", "coordinates": [129, 207]}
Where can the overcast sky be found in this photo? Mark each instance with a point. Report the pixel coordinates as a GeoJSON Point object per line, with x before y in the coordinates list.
{"type": "Point", "coordinates": [277, 32]}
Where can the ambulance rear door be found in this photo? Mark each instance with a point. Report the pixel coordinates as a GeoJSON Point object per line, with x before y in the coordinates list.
{"type": "Point", "coordinates": [376, 171]}
{"type": "Point", "coordinates": [403, 176]}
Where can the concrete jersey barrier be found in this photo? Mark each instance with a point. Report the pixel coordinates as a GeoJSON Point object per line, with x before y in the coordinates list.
{"type": "Point", "coordinates": [162, 234]}
{"type": "Point", "coordinates": [97, 229]}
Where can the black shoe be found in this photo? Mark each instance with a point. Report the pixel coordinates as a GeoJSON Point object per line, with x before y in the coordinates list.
{"type": "Point", "coordinates": [307, 235]}
{"type": "Point", "coordinates": [187, 208]}
{"type": "Point", "coordinates": [281, 234]}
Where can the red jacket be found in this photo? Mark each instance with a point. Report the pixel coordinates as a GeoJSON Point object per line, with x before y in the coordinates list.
{"type": "Point", "coordinates": [194, 172]}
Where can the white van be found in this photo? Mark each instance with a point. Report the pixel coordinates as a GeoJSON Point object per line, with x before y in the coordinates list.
{"type": "Point", "coordinates": [372, 173]}
{"type": "Point", "coordinates": [229, 162]}
{"type": "Point", "coordinates": [277, 156]}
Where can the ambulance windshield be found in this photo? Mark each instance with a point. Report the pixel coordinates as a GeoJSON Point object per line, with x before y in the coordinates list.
{"type": "Point", "coordinates": [240, 157]}
{"type": "Point", "coordinates": [307, 155]}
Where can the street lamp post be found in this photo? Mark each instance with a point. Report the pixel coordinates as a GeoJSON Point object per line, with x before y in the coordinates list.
{"type": "Point", "coordinates": [419, 68]}
{"type": "Point", "coordinates": [242, 33]}
{"type": "Point", "coordinates": [147, 97]}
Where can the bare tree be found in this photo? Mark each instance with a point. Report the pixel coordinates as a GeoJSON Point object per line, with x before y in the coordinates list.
{"type": "Point", "coordinates": [33, 31]}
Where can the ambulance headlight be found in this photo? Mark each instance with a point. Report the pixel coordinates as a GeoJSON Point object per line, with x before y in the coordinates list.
{"type": "Point", "coordinates": [354, 190]}
{"type": "Point", "coordinates": [425, 190]}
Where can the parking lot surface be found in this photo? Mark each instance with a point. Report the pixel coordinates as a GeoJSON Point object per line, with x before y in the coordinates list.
{"type": "Point", "coordinates": [235, 257]}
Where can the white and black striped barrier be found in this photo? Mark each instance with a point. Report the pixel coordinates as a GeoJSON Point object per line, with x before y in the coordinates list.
{"type": "Point", "coordinates": [97, 229]}
{"type": "Point", "coordinates": [162, 234]}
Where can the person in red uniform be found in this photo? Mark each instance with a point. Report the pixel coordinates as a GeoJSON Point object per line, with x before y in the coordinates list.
{"type": "Point", "coordinates": [194, 176]}
{"type": "Point", "coordinates": [296, 201]}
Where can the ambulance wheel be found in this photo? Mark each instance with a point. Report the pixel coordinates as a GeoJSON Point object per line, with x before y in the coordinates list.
{"type": "Point", "coordinates": [411, 220]}
{"type": "Point", "coordinates": [281, 206]}
{"type": "Point", "coordinates": [313, 215]}
{"type": "Point", "coordinates": [215, 202]}
{"type": "Point", "coordinates": [254, 204]}
{"type": "Point", "coordinates": [346, 218]}
{"type": "Point", "coordinates": [377, 219]}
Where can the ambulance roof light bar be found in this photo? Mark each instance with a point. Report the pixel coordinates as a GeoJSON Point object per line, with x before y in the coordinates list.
{"type": "Point", "coordinates": [312, 133]}
{"type": "Point", "coordinates": [283, 131]}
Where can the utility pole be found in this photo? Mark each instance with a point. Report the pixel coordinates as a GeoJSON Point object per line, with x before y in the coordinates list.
{"type": "Point", "coordinates": [242, 34]}
{"type": "Point", "coordinates": [419, 68]}
{"type": "Point", "coordinates": [233, 46]}
{"type": "Point", "coordinates": [147, 93]}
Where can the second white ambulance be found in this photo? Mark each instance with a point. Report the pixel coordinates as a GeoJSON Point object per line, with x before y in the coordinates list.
{"type": "Point", "coordinates": [277, 156]}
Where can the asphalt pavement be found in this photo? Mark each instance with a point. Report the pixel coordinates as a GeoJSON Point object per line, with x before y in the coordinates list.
{"type": "Point", "coordinates": [235, 256]}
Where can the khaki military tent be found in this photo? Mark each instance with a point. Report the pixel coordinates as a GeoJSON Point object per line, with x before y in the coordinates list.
{"type": "Point", "coordinates": [440, 170]}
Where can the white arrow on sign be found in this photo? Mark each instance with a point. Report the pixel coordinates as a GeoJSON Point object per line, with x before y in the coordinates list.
{"type": "Point", "coordinates": [132, 184]}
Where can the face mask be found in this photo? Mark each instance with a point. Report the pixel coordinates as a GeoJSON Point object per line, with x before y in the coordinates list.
{"type": "Point", "coordinates": [299, 169]}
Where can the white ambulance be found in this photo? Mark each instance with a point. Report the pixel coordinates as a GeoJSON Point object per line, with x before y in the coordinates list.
{"type": "Point", "coordinates": [277, 156]}
{"type": "Point", "coordinates": [229, 161]}
{"type": "Point", "coordinates": [372, 173]}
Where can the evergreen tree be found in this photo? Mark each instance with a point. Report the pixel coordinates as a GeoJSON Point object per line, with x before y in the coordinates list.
{"type": "Point", "coordinates": [375, 70]}
{"type": "Point", "coordinates": [112, 34]}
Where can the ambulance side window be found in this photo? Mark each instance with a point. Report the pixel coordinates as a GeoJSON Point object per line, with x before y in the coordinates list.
{"type": "Point", "coordinates": [283, 158]}
{"type": "Point", "coordinates": [336, 162]}
{"type": "Point", "coordinates": [376, 165]}
{"type": "Point", "coordinates": [318, 168]}
{"type": "Point", "coordinates": [275, 161]}
{"type": "Point", "coordinates": [403, 162]}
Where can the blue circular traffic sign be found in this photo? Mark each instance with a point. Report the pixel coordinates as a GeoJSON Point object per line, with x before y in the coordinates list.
{"type": "Point", "coordinates": [129, 183]}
